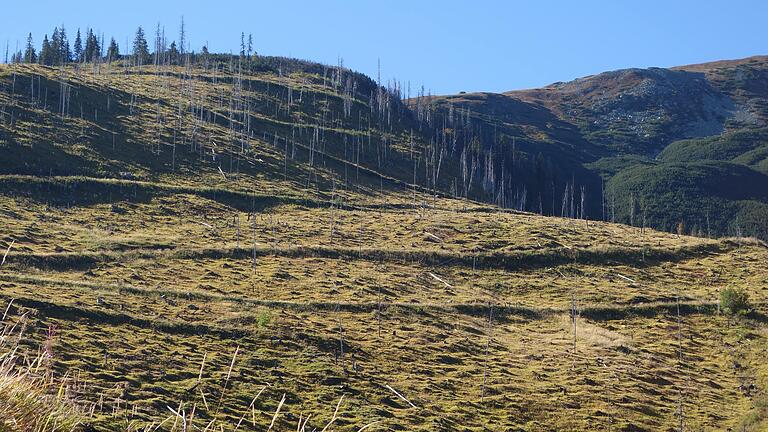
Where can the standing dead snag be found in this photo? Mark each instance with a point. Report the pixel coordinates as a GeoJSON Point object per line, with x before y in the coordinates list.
{"type": "Point", "coordinates": [574, 317]}
{"type": "Point", "coordinates": [277, 412]}
{"type": "Point", "coordinates": [341, 343]}
{"type": "Point", "coordinates": [679, 328]}
{"type": "Point", "coordinates": [253, 226]}
{"type": "Point", "coordinates": [487, 349]}
{"type": "Point", "coordinates": [680, 413]}
{"type": "Point", "coordinates": [378, 312]}
{"type": "Point", "coordinates": [237, 229]}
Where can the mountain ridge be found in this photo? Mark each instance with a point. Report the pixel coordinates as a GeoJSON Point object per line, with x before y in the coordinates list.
{"type": "Point", "coordinates": [634, 115]}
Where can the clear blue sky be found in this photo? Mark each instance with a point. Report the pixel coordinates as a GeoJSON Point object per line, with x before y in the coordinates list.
{"type": "Point", "coordinates": [447, 45]}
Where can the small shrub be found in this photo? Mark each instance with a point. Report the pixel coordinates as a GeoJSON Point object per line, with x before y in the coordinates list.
{"type": "Point", "coordinates": [263, 318]}
{"type": "Point", "coordinates": [757, 418]}
{"type": "Point", "coordinates": [734, 301]}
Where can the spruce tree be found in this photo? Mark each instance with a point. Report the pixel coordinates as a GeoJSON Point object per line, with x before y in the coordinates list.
{"type": "Point", "coordinates": [140, 47]}
{"type": "Point", "coordinates": [113, 52]}
{"type": "Point", "coordinates": [88, 52]}
{"type": "Point", "coordinates": [65, 56]}
{"type": "Point", "coordinates": [45, 53]}
{"type": "Point", "coordinates": [96, 48]}
{"type": "Point", "coordinates": [90, 45]}
{"type": "Point", "coordinates": [55, 53]}
{"type": "Point", "coordinates": [29, 53]}
{"type": "Point", "coordinates": [173, 53]}
{"type": "Point", "coordinates": [78, 48]}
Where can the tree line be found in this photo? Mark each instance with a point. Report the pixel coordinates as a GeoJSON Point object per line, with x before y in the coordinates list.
{"type": "Point", "coordinates": [57, 49]}
{"type": "Point", "coordinates": [91, 47]}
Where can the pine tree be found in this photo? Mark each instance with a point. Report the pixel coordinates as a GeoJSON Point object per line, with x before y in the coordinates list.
{"type": "Point", "coordinates": [78, 48]}
{"type": "Point", "coordinates": [113, 52]}
{"type": "Point", "coordinates": [29, 54]}
{"type": "Point", "coordinates": [140, 47]}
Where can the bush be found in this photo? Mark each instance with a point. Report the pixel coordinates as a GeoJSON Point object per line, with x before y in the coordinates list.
{"type": "Point", "coordinates": [734, 301]}
{"type": "Point", "coordinates": [263, 318]}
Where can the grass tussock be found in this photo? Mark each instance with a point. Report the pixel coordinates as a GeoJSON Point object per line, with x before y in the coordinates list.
{"type": "Point", "coordinates": [495, 260]}
{"type": "Point", "coordinates": [745, 241]}
{"type": "Point", "coordinates": [757, 418]}
{"type": "Point", "coordinates": [29, 400]}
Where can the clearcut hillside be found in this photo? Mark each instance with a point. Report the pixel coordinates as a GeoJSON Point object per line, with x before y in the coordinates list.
{"type": "Point", "coordinates": [212, 246]}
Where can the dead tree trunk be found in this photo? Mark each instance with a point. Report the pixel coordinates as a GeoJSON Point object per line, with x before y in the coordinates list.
{"type": "Point", "coordinates": [487, 349]}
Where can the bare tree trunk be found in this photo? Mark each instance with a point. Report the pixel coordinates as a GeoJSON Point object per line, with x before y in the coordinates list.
{"type": "Point", "coordinates": [487, 349]}
{"type": "Point", "coordinates": [680, 412]}
{"type": "Point", "coordinates": [574, 313]}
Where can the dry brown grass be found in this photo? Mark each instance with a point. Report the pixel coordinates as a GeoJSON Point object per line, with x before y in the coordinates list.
{"type": "Point", "coordinates": [30, 401]}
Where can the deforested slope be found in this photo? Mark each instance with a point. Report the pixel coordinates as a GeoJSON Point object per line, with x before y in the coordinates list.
{"type": "Point", "coordinates": [212, 246]}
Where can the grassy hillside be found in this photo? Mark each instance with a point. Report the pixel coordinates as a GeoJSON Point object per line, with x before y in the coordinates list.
{"type": "Point", "coordinates": [309, 130]}
{"type": "Point", "coordinates": [246, 250]}
{"type": "Point", "coordinates": [464, 312]}
{"type": "Point", "coordinates": [30, 398]}
{"type": "Point", "coordinates": [286, 125]}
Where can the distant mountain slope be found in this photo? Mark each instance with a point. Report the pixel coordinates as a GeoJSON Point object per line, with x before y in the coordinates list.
{"type": "Point", "coordinates": [746, 146]}
{"type": "Point", "coordinates": [744, 81]}
{"type": "Point", "coordinates": [602, 125]}
{"type": "Point", "coordinates": [638, 110]}
{"type": "Point", "coordinates": [709, 197]}
{"type": "Point", "coordinates": [643, 110]}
